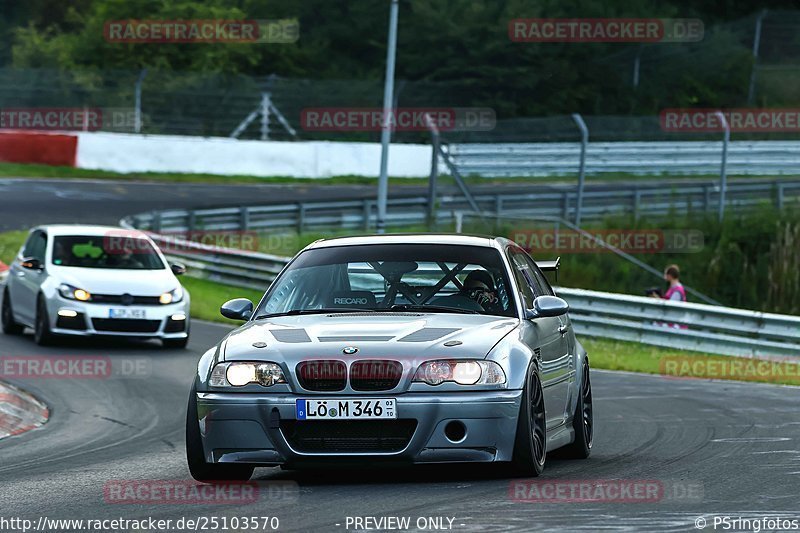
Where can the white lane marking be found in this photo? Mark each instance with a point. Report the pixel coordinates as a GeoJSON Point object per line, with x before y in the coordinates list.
{"type": "Point", "coordinates": [752, 439]}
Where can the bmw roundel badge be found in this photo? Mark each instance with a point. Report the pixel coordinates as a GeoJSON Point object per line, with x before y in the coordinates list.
{"type": "Point", "coordinates": [350, 350]}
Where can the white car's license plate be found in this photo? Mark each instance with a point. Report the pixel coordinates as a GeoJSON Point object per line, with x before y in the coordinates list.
{"type": "Point", "coordinates": [335, 409]}
{"type": "Point", "coordinates": [126, 313]}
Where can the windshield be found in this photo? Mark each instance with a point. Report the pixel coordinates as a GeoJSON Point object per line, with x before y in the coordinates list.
{"type": "Point", "coordinates": [430, 277]}
{"type": "Point", "coordinates": [93, 251]}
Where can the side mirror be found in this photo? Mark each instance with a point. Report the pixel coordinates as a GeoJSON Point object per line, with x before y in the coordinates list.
{"type": "Point", "coordinates": [178, 268]}
{"type": "Point", "coordinates": [31, 263]}
{"type": "Point", "coordinates": [547, 306]}
{"type": "Point", "coordinates": [237, 309]}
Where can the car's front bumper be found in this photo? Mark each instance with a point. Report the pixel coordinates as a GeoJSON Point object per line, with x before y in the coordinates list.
{"type": "Point", "coordinates": [94, 319]}
{"type": "Point", "coordinates": [248, 428]}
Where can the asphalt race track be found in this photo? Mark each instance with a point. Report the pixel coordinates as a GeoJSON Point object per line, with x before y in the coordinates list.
{"type": "Point", "coordinates": [722, 448]}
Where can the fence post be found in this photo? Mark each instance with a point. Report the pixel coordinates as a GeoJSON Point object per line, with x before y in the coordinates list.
{"type": "Point", "coordinates": [780, 197]}
{"type": "Point", "coordinates": [190, 220]}
{"type": "Point", "coordinates": [435, 144]}
{"type": "Point", "coordinates": [582, 169]}
{"type": "Point", "coordinates": [137, 110]}
{"type": "Point", "coordinates": [266, 106]}
{"type": "Point", "coordinates": [723, 177]}
{"type": "Point", "coordinates": [566, 205]}
{"type": "Point", "coordinates": [637, 200]}
{"type": "Point", "coordinates": [244, 218]}
{"type": "Point", "coordinates": [751, 91]}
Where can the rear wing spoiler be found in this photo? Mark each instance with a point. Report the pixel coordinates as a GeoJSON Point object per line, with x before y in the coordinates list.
{"type": "Point", "coordinates": [550, 266]}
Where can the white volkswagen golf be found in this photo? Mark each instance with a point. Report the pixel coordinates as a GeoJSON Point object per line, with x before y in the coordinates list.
{"type": "Point", "coordinates": [95, 280]}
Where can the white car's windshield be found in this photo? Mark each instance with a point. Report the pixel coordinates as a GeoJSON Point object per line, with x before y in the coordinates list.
{"type": "Point", "coordinates": [92, 251]}
{"type": "Point", "coordinates": [431, 277]}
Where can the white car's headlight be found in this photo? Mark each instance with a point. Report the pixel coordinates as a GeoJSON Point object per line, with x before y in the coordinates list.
{"type": "Point", "coordinates": [240, 374]}
{"type": "Point", "coordinates": [73, 293]}
{"type": "Point", "coordinates": [171, 297]}
{"type": "Point", "coordinates": [465, 372]}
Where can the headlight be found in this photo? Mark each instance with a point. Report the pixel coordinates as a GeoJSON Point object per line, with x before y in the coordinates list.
{"type": "Point", "coordinates": [240, 374]}
{"type": "Point", "coordinates": [73, 293]}
{"type": "Point", "coordinates": [171, 297]}
{"type": "Point", "coordinates": [461, 372]}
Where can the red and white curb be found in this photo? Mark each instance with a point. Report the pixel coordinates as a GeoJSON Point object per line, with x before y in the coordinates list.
{"type": "Point", "coordinates": [19, 411]}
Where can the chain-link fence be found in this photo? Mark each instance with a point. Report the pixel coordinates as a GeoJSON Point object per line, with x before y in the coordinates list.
{"type": "Point", "coordinates": [752, 68]}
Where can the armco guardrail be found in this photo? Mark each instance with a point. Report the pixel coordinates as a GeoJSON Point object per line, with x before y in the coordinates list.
{"type": "Point", "coordinates": [712, 329]}
{"type": "Point", "coordinates": [709, 328]}
{"type": "Point", "coordinates": [647, 198]}
{"type": "Point", "coordinates": [663, 157]}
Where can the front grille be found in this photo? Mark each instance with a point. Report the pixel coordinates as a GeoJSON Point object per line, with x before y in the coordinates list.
{"type": "Point", "coordinates": [348, 436]}
{"type": "Point", "coordinates": [375, 375]}
{"type": "Point", "coordinates": [323, 376]}
{"type": "Point", "coordinates": [126, 325]}
{"type": "Point", "coordinates": [124, 299]}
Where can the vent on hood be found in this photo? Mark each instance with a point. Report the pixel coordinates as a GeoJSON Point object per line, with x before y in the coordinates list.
{"type": "Point", "coordinates": [356, 338]}
{"type": "Point", "coordinates": [290, 335]}
{"type": "Point", "coordinates": [427, 334]}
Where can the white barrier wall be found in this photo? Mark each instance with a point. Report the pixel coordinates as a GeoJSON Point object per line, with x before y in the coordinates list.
{"type": "Point", "coordinates": [119, 152]}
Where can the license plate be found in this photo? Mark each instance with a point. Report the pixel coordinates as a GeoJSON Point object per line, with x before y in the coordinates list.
{"type": "Point", "coordinates": [334, 409]}
{"type": "Point", "coordinates": [126, 313]}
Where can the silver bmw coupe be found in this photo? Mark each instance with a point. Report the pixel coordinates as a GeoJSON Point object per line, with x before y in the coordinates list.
{"type": "Point", "coordinates": [394, 348]}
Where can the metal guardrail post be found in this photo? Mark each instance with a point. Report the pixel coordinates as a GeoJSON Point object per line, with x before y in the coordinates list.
{"type": "Point", "coordinates": [367, 213]}
{"type": "Point", "coordinates": [301, 217]}
{"type": "Point", "coordinates": [780, 196]}
{"type": "Point", "coordinates": [191, 220]}
{"type": "Point", "coordinates": [244, 218]}
{"type": "Point", "coordinates": [155, 221]}
{"type": "Point", "coordinates": [565, 204]}
{"type": "Point", "coordinates": [706, 198]}
{"type": "Point", "coordinates": [637, 200]}
{"type": "Point", "coordinates": [582, 169]}
{"type": "Point", "coordinates": [723, 176]}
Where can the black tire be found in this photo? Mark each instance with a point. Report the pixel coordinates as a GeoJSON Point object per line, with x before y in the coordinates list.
{"type": "Point", "coordinates": [175, 344]}
{"type": "Point", "coordinates": [198, 467]}
{"type": "Point", "coordinates": [41, 332]}
{"type": "Point", "coordinates": [582, 421]}
{"type": "Point", "coordinates": [530, 445]}
{"type": "Point", "coordinates": [10, 327]}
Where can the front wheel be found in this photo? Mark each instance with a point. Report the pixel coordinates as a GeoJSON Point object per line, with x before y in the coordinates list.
{"type": "Point", "coordinates": [582, 421]}
{"type": "Point", "coordinates": [530, 446]}
{"type": "Point", "coordinates": [195, 457]}
{"type": "Point", "coordinates": [41, 333]}
{"type": "Point", "coordinates": [10, 327]}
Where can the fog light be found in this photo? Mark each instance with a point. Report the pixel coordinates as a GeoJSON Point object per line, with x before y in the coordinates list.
{"type": "Point", "coordinates": [69, 313]}
{"type": "Point", "coordinates": [178, 316]}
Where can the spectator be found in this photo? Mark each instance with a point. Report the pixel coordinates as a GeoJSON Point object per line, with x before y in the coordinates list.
{"type": "Point", "coordinates": [675, 292]}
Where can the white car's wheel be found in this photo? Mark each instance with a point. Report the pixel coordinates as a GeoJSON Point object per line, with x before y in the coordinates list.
{"type": "Point", "coordinates": [10, 327]}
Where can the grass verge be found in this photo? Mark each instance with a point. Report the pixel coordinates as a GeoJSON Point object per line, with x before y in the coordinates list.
{"type": "Point", "coordinates": [30, 170]}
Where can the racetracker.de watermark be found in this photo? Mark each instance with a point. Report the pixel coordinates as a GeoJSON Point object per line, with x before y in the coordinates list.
{"type": "Point", "coordinates": [116, 242]}
{"type": "Point", "coordinates": [67, 118]}
{"type": "Point", "coordinates": [736, 368]}
{"type": "Point", "coordinates": [648, 241]}
{"type": "Point", "coordinates": [605, 491]}
{"type": "Point", "coordinates": [281, 31]}
{"type": "Point", "coordinates": [182, 492]}
{"type": "Point", "coordinates": [399, 119]}
{"type": "Point", "coordinates": [752, 120]}
{"type": "Point", "coordinates": [73, 367]}
{"type": "Point", "coordinates": [605, 30]}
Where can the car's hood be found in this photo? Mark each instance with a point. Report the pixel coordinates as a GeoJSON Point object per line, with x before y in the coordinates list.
{"type": "Point", "coordinates": [376, 335]}
{"type": "Point", "coordinates": [116, 281]}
